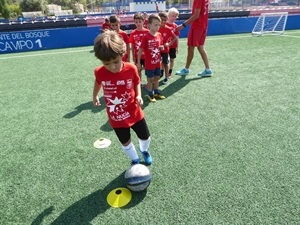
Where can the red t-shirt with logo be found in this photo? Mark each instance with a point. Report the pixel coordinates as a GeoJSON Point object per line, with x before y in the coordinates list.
{"type": "Point", "coordinates": [167, 35]}
{"type": "Point", "coordinates": [202, 20]}
{"type": "Point", "coordinates": [150, 44]}
{"type": "Point", "coordinates": [135, 38]}
{"type": "Point", "coordinates": [173, 27]}
{"type": "Point", "coordinates": [125, 38]}
{"type": "Point", "coordinates": [119, 95]}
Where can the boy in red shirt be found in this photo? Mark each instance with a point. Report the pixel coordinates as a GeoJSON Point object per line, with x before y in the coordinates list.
{"type": "Point", "coordinates": [122, 94]}
{"type": "Point", "coordinates": [172, 16]}
{"type": "Point", "coordinates": [136, 37]}
{"type": "Point", "coordinates": [105, 25]}
{"type": "Point", "coordinates": [197, 36]}
{"type": "Point", "coordinates": [168, 39]}
{"type": "Point", "coordinates": [145, 15]}
{"type": "Point", "coordinates": [115, 24]}
{"type": "Point", "coordinates": [151, 44]}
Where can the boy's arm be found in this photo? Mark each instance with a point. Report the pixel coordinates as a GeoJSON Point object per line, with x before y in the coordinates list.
{"type": "Point", "coordinates": [175, 38]}
{"type": "Point", "coordinates": [128, 51]}
{"type": "Point", "coordinates": [190, 20]}
{"type": "Point", "coordinates": [132, 52]}
{"type": "Point", "coordinates": [139, 58]}
{"type": "Point", "coordinates": [97, 88]}
{"type": "Point", "coordinates": [138, 94]}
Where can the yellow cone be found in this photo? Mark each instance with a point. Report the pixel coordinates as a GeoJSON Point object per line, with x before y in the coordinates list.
{"type": "Point", "coordinates": [118, 197]}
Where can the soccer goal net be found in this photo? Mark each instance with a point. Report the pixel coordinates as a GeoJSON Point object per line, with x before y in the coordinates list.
{"type": "Point", "coordinates": [270, 23]}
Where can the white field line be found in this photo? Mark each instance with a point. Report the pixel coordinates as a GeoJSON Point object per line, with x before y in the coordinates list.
{"type": "Point", "coordinates": [210, 38]}
{"type": "Point", "coordinates": [287, 35]}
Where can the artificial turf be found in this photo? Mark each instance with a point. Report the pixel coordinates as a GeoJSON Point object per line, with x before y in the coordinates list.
{"type": "Point", "coordinates": [225, 148]}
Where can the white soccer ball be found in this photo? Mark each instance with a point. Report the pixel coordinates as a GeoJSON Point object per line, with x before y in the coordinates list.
{"type": "Point", "coordinates": [137, 177]}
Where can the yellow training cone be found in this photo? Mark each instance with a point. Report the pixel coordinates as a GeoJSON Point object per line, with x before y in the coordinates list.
{"type": "Point", "coordinates": [118, 197]}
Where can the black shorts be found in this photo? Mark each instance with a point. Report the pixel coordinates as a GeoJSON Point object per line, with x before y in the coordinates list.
{"type": "Point", "coordinates": [164, 58]}
{"type": "Point", "coordinates": [172, 53]}
{"type": "Point", "coordinates": [140, 128]}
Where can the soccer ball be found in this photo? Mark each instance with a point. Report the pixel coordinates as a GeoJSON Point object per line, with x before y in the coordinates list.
{"type": "Point", "coordinates": [137, 177]}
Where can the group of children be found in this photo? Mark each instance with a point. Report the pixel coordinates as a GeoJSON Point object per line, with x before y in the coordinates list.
{"type": "Point", "coordinates": [153, 43]}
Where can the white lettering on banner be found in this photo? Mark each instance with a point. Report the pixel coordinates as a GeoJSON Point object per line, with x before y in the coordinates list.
{"type": "Point", "coordinates": [5, 37]}
{"type": "Point", "coordinates": [22, 40]}
{"type": "Point", "coordinates": [19, 45]}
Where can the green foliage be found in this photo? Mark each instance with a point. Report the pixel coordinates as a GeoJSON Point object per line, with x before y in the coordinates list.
{"type": "Point", "coordinates": [31, 5]}
{"type": "Point", "coordinates": [14, 10]}
{"type": "Point", "coordinates": [4, 12]}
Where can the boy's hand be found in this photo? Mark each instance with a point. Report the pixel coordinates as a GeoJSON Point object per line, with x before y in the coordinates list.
{"type": "Point", "coordinates": [139, 100]}
{"type": "Point", "coordinates": [96, 101]}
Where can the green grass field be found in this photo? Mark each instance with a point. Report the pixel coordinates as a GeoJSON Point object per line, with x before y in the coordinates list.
{"type": "Point", "coordinates": [225, 148]}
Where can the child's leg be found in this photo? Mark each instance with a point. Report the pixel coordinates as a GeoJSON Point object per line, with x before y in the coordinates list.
{"type": "Point", "coordinates": [166, 68]}
{"type": "Point", "coordinates": [171, 66]}
{"type": "Point", "coordinates": [142, 131]}
{"type": "Point", "coordinates": [172, 55]}
{"type": "Point", "coordinates": [155, 82]}
{"type": "Point", "coordinates": [123, 135]}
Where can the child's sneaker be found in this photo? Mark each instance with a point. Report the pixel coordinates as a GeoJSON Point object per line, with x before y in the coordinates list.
{"type": "Point", "coordinates": [183, 72]}
{"type": "Point", "coordinates": [205, 73]}
{"type": "Point", "coordinates": [169, 76]}
{"type": "Point", "coordinates": [159, 96]}
{"type": "Point", "coordinates": [135, 161]}
{"type": "Point", "coordinates": [165, 81]}
{"type": "Point", "coordinates": [147, 157]}
{"type": "Point", "coordinates": [151, 98]}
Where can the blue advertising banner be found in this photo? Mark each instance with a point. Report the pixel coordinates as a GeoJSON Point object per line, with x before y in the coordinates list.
{"type": "Point", "coordinates": [32, 40]}
{"type": "Point", "coordinates": [21, 41]}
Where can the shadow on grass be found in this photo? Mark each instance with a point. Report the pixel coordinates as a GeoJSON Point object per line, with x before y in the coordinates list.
{"type": "Point", "coordinates": [85, 106]}
{"type": "Point", "coordinates": [86, 209]}
{"type": "Point", "coordinates": [178, 84]}
{"type": "Point", "coordinates": [106, 127]}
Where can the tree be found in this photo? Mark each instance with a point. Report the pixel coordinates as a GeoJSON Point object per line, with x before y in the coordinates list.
{"type": "Point", "coordinates": [4, 12]}
{"type": "Point", "coordinates": [31, 5]}
{"type": "Point", "coordinates": [14, 10]}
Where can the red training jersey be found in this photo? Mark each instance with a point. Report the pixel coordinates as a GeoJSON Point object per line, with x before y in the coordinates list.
{"type": "Point", "coordinates": [119, 95]}
{"type": "Point", "coordinates": [202, 20]}
{"type": "Point", "coordinates": [173, 27]}
{"type": "Point", "coordinates": [167, 35]}
{"type": "Point", "coordinates": [145, 25]}
{"type": "Point", "coordinates": [135, 38]}
{"type": "Point", "coordinates": [150, 44]}
{"type": "Point", "coordinates": [125, 38]}
{"type": "Point", "coordinates": [105, 26]}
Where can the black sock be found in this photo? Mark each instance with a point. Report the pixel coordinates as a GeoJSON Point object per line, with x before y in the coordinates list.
{"type": "Point", "coordinates": [170, 71]}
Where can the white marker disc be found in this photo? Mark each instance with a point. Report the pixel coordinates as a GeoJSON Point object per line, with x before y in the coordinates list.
{"type": "Point", "coordinates": [102, 143]}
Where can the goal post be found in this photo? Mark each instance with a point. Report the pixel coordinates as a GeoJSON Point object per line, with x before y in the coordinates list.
{"type": "Point", "coordinates": [270, 23]}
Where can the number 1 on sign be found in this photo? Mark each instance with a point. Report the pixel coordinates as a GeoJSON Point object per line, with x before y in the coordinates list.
{"type": "Point", "coordinates": [39, 42]}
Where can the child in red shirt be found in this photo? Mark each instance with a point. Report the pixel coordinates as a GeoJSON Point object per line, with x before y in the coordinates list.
{"type": "Point", "coordinates": [105, 25]}
{"type": "Point", "coordinates": [122, 94]}
{"type": "Point", "coordinates": [151, 44]}
{"type": "Point", "coordinates": [115, 24]}
{"type": "Point", "coordinates": [172, 16]}
{"type": "Point", "coordinates": [136, 37]}
{"type": "Point", "coordinates": [168, 39]}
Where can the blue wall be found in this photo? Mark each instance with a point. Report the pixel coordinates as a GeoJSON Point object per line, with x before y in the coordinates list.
{"type": "Point", "coordinates": [21, 41]}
